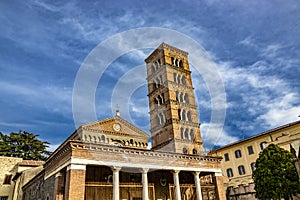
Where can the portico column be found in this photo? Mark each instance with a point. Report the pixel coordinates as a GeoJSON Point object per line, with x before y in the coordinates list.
{"type": "Point", "coordinates": [116, 191]}
{"type": "Point", "coordinates": [145, 183]}
{"type": "Point", "coordinates": [198, 187]}
{"type": "Point", "coordinates": [176, 184]}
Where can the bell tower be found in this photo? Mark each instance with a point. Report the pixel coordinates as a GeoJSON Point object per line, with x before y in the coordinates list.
{"type": "Point", "coordinates": [173, 112]}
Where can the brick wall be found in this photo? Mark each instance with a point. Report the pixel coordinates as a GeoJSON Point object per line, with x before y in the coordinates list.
{"type": "Point", "coordinates": [75, 184]}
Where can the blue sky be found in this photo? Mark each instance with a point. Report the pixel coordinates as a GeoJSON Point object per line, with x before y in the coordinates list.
{"type": "Point", "coordinates": [254, 44]}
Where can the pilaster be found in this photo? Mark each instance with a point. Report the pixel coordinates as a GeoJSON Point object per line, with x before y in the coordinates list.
{"type": "Point", "coordinates": [220, 185]}
{"type": "Point", "coordinates": [75, 182]}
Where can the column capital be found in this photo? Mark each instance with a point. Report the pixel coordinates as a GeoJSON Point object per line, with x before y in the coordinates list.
{"type": "Point", "coordinates": [58, 174]}
{"type": "Point", "coordinates": [144, 170]}
{"type": "Point", "coordinates": [196, 173]}
{"type": "Point", "coordinates": [175, 171]}
{"type": "Point", "coordinates": [116, 168]}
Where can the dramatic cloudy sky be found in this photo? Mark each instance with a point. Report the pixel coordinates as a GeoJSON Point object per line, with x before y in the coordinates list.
{"type": "Point", "coordinates": [255, 46]}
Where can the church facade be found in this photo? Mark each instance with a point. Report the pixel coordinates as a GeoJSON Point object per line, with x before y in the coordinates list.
{"type": "Point", "coordinates": [110, 159]}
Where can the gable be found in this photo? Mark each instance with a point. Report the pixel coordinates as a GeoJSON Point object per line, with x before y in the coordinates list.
{"type": "Point", "coordinates": [115, 126]}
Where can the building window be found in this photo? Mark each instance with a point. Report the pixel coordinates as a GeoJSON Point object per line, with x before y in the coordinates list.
{"type": "Point", "coordinates": [241, 169]}
{"type": "Point", "coordinates": [7, 179]}
{"type": "Point", "coordinates": [3, 198]}
{"type": "Point", "coordinates": [184, 150]}
{"type": "Point", "coordinates": [238, 154]}
{"type": "Point", "coordinates": [250, 150]}
{"type": "Point", "coordinates": [229, 172]}
{"type": "Point", "coordinates": [194, 151]}
{"type": "Point", "coordinates": [226, 156]}
{"type": "Point", "coordinates": [263, 145]}
{"type": "Point", "coordinates": [252, 166]}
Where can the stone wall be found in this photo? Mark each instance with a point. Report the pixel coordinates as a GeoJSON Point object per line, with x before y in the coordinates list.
{"type": "Point", "coordinates": [242, 192]}
{"type": "Point", "coordinates": [35, 189]}
{"type": "Point", "coordinates": [49, 188]}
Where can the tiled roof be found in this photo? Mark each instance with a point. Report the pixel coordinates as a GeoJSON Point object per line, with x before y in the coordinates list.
{"type": "Point", "coordinates": [31, 163]}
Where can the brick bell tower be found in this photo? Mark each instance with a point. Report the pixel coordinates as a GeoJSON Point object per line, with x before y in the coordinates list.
{"type": "Point", "coordinates": [173, 112]}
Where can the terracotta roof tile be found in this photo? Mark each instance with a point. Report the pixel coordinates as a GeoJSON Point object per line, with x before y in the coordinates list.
{"type": "Point", "coordinates": [31, 163]}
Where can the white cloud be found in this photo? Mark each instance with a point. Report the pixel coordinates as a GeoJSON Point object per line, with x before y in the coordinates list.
{"type": "Point", "coordinates": [282, 110]}
{"type": "Point", "coordinates": [266, 97]}
{"type": "Point", "coordinates": [271, 50]}
{"type": "Point", "coordinates": [248, 41]}
{"type": "Point", "coordinates": [218, 138]}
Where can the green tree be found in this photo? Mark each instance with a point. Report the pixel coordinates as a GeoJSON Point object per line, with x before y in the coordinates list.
{"type": "Point", "coordinates": [275, 176]}
{"type": "Point", "coordinates": [23, 145]}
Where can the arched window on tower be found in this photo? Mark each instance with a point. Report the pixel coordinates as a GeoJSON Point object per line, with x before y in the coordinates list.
{"type": "Point", "coordinates": [176, 62]}
{"type": "Point", "coordinates": [183, 115]}
{"type": "Point", "coordinates": [157, 121]}
{"type": "Point", "coordinates": [154, 66]}
{"type": "Point", "coordinates": [160, 102]}
{"type": "Point", "coordinates": [179, 114]}
{"type": "Point", "coordinates": [181, 97]}
{"type": "Point", "coordinates": [183, 80]}
{"type": "Point", "coordinates": [180, 63]}
{"type": "Point", "coordinates": [157, 64]}
{"type": "Point", "coordinates": [177, 96]}
{"type": "Point", "coordinates": [186, 134]}
{"type": "Point", "coordinates": [175, 77]}
{"type": "Point", "coordinates": [160, 80]}
{"type": "Point", "coordinates": [188, 115]}
{"type": "Point", "coordinates": [182, 133]}
{"type": "Point", "coordinates": [152, 69]}
{"type": "Point", "coordinates": [172, 61]}
{"type": "Point", "coordinates": [155, 102]}
{"type": "Point", "coordinates": [186, 98]}
{"type": "Point", "coordinates": [156, 83]}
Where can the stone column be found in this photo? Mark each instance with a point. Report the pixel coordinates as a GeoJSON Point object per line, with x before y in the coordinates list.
{"type": "Point", "coordinates": [176, 185]}
{"type": "Point", "coordinates": [218, 179]}
{"type": "Point", "coordinates": [145, 183]}
{"type": "Point", "coordinates": [75, 182]}
{"type": "Point", "coordinates": [116, 185]}
{"type": "Point", "coordinates": [198, 187]}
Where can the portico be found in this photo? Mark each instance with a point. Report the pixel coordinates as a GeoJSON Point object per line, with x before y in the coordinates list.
{"type": "Point", "coordinates": [149, 175]}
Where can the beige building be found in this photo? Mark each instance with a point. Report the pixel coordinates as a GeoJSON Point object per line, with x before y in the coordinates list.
{"type": "Point", "coordinates": [239, 157]}
{"type": "Point", "coordinates": [14, 173]}
{"type": "Point", "coordinates": [110, 159]}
